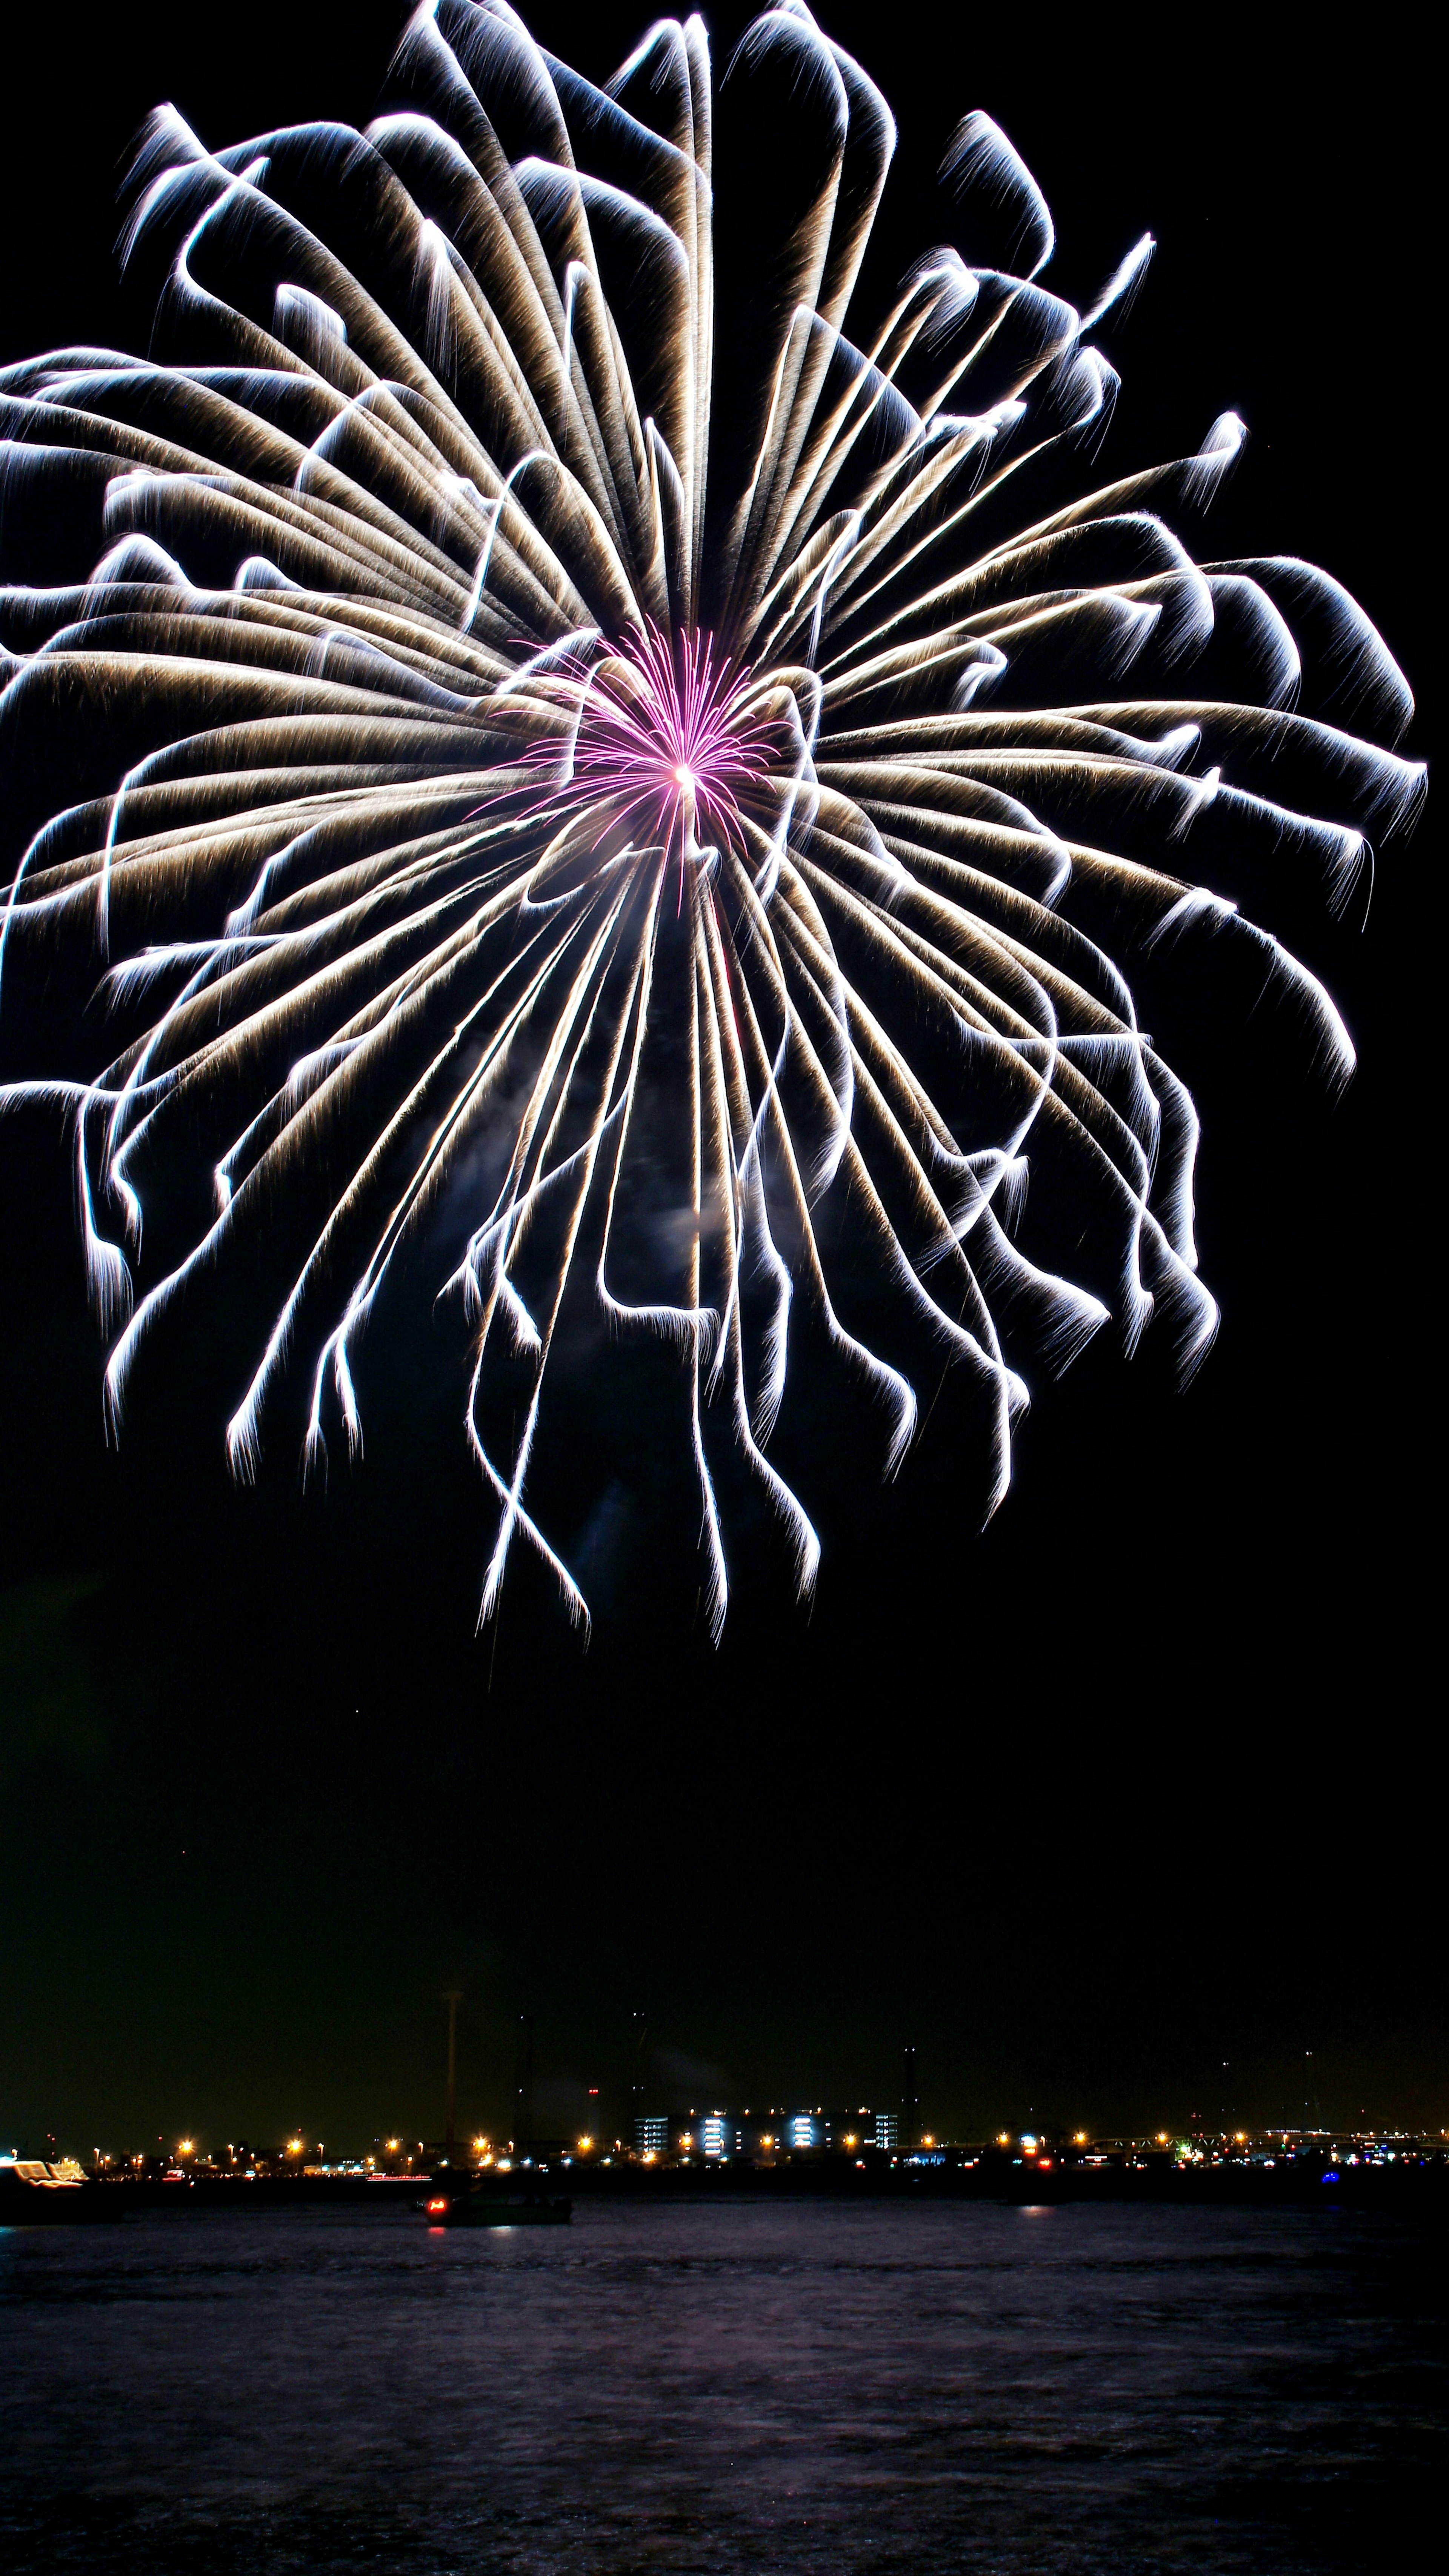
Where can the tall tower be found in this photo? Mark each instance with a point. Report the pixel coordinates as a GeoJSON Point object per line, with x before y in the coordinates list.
{"type": "Point", "coordinates": [910, 2098]}
{"type": "Point", "coordinates": [638, 2070]}
{"type": "Point", "coordinates": [452, 1999]}
{"type": "Point", "coordinates": [523, 2083]}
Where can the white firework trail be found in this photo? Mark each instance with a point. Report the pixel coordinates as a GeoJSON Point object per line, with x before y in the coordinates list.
{"type": "Point", "coordinates": [667, 777]}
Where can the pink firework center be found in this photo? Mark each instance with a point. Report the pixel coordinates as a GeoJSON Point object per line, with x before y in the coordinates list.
{"type": "Point", "coordinates": [664, 741]}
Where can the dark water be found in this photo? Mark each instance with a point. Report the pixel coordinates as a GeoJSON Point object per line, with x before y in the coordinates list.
{"type": "Point", "coordinates": [802, 2389]}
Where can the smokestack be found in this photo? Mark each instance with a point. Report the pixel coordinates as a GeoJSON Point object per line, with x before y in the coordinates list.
{"type": "Point", "coordinates": [452, 1999]}
{"type": "Point", "coordinates": [638, 2065]}
{"type": "Point", "coordinates": [523, 2083]}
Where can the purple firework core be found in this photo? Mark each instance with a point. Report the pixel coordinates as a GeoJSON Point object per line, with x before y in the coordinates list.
{"type": "Point", "coordinates": [665, 741]}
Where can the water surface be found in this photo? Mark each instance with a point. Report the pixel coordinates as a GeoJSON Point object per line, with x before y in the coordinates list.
{"type": "Point", "coordinates": [806, 2389]}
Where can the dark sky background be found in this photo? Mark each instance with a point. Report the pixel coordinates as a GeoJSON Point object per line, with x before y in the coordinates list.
{"type": "Point", "coordinates": [1139, 1781]}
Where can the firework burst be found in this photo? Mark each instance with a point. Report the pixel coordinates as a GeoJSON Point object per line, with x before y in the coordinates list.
{"type": "Point", "coordinates": [572, 753]}
{"type": "Point", "coordinates": [663, 751]}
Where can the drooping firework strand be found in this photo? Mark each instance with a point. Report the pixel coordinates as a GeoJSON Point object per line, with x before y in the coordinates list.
{"type": "Point", "coordinates": [532, 726]}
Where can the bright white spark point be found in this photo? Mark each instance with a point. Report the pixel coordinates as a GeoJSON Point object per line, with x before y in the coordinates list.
{"type": "Point", "coordinates": [699, 863]}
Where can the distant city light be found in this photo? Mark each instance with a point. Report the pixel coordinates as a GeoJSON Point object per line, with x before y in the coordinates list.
{"type": "Point", "coordinates": [720, 2136]}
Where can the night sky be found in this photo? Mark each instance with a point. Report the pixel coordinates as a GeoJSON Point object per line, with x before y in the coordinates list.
{"type": "Point", "coordinates": [1139, 1781]}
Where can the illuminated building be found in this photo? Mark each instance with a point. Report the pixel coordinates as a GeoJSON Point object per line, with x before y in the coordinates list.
{"type": "Point", "coordinates": [651, 2136]}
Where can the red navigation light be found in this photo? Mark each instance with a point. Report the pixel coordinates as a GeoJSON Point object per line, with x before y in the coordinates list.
{"type": "Point", "coordinates": [436, 2205]}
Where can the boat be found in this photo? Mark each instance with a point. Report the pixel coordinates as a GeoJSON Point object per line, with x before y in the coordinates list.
{"type": "Point", "coordinates": [489, 2207]}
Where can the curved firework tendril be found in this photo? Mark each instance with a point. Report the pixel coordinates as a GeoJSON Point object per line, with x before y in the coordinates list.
{"type": "Point", "coordinates": [711, 876]}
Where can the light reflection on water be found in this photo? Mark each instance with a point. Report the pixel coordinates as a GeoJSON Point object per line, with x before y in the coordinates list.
{"type": "Point", "coordinates": [803, 2389]}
